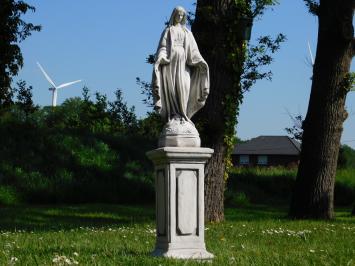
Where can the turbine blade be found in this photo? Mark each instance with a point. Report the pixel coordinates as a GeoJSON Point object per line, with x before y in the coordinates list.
{"type": "Point", "coordinates": [46, 75]}
{"type": "Point", "coordinates": [310, 53]}
{"type": "Point", "coordinates": [67, 84]}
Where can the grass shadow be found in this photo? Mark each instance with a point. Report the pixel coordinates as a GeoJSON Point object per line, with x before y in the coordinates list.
{"type": "Point", "coordinates": [255, 212]}
{"type": "Point", "coordinates": [45, 218]}
{"type": "Point", "coordinates": [52, 218]}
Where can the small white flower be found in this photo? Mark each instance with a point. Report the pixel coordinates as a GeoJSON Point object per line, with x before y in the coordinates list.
{"type": "Point", "coordinates": [312, 250]}
{"type": "Point", "coordinates": [13, 259]}
{"type": "Point", "coordinates": [63, 260]}
{"type": "Point", "coordinates": [76, 254]}
{"type": "Point", "coordinates": [67, 261]}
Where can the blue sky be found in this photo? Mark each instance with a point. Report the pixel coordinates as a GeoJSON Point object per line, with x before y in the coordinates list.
{"type": "Point", "coordinates": [105, 44]}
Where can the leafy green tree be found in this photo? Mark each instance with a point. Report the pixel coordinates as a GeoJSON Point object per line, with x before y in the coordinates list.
{"type": "Point", "coordinates": [24, 98]}
{"type": "Point", "coordinates": [121, 113]}
{"type": "Point", "coordinates": [151, 126]}
{"type": "Point", "coordinates": [71, 112]}
{"type": "Point", "coordinates": [13, 30]}
{"type": "Point", "coordinates": [234, 68]}
{"type": "Point", "coordinates": [313, 195]}
{"type": "Point", "coordinates": [346, 158]}
{"type": "Point", "coordinates": [94, 115]}
{"type": "Point", "coordinates": [100, 114]}
{"type": "Point", "coordinates": [105, 116]}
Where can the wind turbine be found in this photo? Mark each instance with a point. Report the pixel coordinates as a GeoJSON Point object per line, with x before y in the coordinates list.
{"type": "Point", "coordinates": [55, 88]}
{"type": "Point", "coordinates": [310, 54]}
{"type": "Point", "coordinates": [309, 60]}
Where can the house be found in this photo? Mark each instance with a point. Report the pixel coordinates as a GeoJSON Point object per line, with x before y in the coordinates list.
{"type": "Point", "coordinates": [267, 151]}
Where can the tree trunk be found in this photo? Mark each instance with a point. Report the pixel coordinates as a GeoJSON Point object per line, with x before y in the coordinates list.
{"type": "Point", "coordinates": [211, 34]}
{"type": "Point", "coordinates": [353, 212]}
{"type": "Point", "coordinates": [314, 189]}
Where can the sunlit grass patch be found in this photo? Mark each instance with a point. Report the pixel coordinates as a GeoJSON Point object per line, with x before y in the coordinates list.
{"type": "Point", "coordinates": [125, 235]}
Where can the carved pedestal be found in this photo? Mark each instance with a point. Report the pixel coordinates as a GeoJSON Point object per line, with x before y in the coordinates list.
{"type": "Point", "coordinates": [179, 179]}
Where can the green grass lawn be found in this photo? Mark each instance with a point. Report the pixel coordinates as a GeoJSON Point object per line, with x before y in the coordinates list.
{"type": "Point", "coordinates": [125, 235]}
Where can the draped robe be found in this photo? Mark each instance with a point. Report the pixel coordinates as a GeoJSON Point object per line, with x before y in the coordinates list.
{"type": "Point", "coordinates": [181, 86]}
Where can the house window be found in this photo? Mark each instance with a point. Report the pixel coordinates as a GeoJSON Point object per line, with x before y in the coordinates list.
{"type": "Point", "coordinates": [262, 159]}
{"type": "Point", "coordinates": [244, 159]}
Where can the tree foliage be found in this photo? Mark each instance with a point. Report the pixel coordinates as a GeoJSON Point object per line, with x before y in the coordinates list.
{"type": "Point", "coordinates": [257, 57]}
{"type": "Point", "coordinates": [313, 6]}
{"type": "Point", "coordinates": [346, 157]}
{"type": "Point", "coordinates": [24, 98]}
{"type": "Point", "coordinates": [296, 130]}
{"type": "Point", "coordinates": [87, 149]}
{"type": "Point", "coordinates": [13, 30]}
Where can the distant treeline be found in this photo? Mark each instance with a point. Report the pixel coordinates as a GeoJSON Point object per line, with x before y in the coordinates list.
{"type": "Point", "coordinates": [274, 186]}
{"type": "Point", "coordinates": [85, 150]}
{"type": "Point", "coordinates": [90, 149]}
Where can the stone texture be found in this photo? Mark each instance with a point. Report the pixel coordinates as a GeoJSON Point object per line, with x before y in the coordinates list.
{"type": "Point", "coordinates": [179, 175]}
{"type": "Point", "coordinates": [179, 133]}
{"type": "Point", "coordinates": [180, 83]}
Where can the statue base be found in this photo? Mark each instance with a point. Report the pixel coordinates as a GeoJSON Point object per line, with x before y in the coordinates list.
{"type": "Point", "coordinates": [184, 253]}
{"type": "Point", "coordinates": [179, 182]}
{"type": "Point", "coordinates": [179, 133]}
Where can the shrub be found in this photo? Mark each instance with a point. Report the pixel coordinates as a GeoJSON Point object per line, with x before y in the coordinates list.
{"type": "Point", "coordinates": [236, 199]}
{"type": "Point", "coordinates": [8, 196]}
{"type": "Point", "coordinates": [263, 185]}
{"type": "Point", "coordinates": [275, 185]}
{"type": "Point", "coordinates": [344, 191]}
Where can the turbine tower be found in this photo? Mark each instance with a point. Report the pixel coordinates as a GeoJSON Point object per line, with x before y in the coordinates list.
{"type": "Point", "coordinates": [55, 88]}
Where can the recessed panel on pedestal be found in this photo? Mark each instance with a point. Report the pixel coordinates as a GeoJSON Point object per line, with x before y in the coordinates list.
{"type": "Point", "coordinates": [186, 202]}
{"type": "Point", "coordinates": [161, 203]}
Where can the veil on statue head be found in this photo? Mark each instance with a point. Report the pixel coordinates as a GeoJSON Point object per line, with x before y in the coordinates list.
{"type": "Point", "coordinates": [174, 13]}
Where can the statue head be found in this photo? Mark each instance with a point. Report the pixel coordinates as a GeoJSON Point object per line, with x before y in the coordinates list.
{"type": "Point", "coordinates": [178, 16]}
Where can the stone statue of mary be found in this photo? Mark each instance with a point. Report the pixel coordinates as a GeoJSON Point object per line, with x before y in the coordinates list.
{"type": "Point", "coordinates": [180, 82]}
